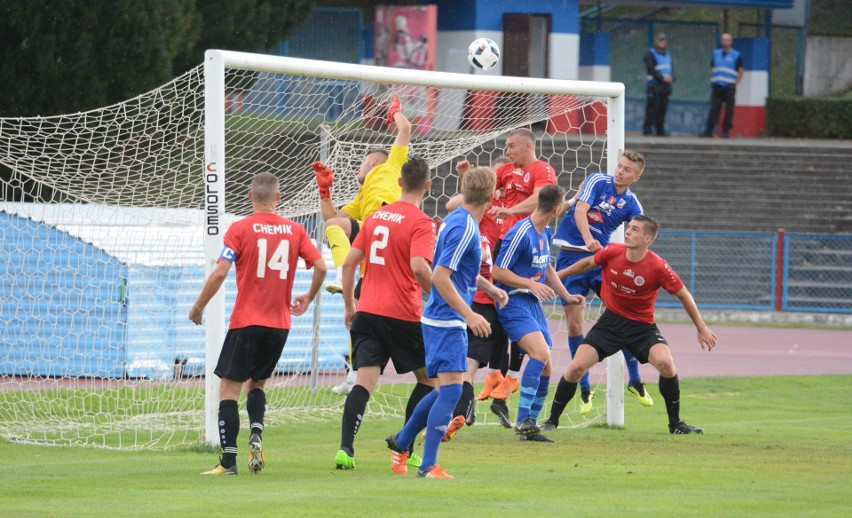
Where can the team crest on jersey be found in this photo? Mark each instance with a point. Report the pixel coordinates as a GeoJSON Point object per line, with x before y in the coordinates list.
{"type": "Point", "coordinates": [621, 203]}
{"type": "Point", "coordinates": [639, 280]}
{"type": "Point", "coordinates": [628, 272]}
{"type": "Point", "coordinates": [526, 177]}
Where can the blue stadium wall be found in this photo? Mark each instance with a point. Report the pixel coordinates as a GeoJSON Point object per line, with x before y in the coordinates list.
{"type": "Point", "coordinates": [67, 308]}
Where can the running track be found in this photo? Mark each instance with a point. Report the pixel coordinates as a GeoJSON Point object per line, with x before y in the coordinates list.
{"type": "Point", "coordinates": [743, 351]}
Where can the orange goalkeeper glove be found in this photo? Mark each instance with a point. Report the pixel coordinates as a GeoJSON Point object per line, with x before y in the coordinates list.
{"type": "Point", "coordinates": [325, 177]}
{"type": "Point", "coordinates": [394, 108]}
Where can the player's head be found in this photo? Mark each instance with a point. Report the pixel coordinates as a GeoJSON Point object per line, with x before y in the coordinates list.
{"type": "Point", "coordinates": [500, 160]}
{"type": "Point", "coordinates": [629, 169]}
{"type": "Point", "coordinates": [641, 231]}
{"type": "Point", "coordinates": [415, 175]}
{"type": "Point", "coordinates": [550, 199]}
{"type": "Point", "coordinates": [520, 147]}
{"type": "Point", "coordinates": [727, 41]}
{"type": "Point", "coordinates": [374, 157]}
{"type": "Point", "coordinates": [265, 189]}
{"type": "Point", "coordinates": [478, 186]}
{"type": "Point", "coordinates": [660, 41]}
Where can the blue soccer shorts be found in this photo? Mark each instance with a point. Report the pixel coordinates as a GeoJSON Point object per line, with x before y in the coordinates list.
{"type": "Point", "coordinates": [578, 284]}
{"type": "Point", "coordinates": [446, 349]}
{"type": "Point", "coordinates": [523, 315]}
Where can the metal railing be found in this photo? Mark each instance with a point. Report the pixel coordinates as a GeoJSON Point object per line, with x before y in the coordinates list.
{"type": "Point", "coordinates": [760, 270]}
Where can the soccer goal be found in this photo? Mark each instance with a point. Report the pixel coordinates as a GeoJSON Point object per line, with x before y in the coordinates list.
{"type": "Point", "coordinates": [113, 217]}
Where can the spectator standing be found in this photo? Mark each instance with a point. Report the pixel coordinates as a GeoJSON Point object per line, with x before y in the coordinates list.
{"type": "Point", "coordinates": [659, 70]}
{"type": "Point", "coordinates": [726, 71]}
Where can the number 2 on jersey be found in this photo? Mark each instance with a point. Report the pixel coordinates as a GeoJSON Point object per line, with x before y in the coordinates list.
{"type": "Point", "coordinates": [379, 244]}
{"type": "Point", "coordinates": [279, 260]}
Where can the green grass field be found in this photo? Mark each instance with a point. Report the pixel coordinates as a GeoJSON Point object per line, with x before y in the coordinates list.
{"type": "Point", "coordinates": [774, 446]}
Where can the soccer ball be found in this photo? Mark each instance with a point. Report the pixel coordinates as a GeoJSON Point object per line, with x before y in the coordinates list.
{"type": "Point", "coordinates": [483, 53]}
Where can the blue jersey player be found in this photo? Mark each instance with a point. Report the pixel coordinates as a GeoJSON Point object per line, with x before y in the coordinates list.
{"type": "Point", "coordinates": [602, 205]}
{"type": "Point", "coordinates": [523, 269]}
{"type": "Point", "coordinates": [455, 277]}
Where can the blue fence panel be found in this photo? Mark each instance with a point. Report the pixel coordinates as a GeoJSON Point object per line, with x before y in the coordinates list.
{"type": "Point", "coordinates": [724, 270]}
{"type": "Point", "coordinates": [818, 273]}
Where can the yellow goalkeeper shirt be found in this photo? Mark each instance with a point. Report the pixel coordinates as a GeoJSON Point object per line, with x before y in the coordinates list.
{"type": "Point", "coordinates": [381, 186]}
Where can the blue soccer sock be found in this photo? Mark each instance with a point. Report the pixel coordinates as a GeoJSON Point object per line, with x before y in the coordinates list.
{"type": "Point", "coordinates": [530, 380]}
{"type": "Point", "coordinates": [632, 368]}
{"type": "Point", "coordinates": [417, 421]}
{"type": "Point", "coordinates": [574, 344]}
{"type": "Point", "coordinates": [540, 397]}
{"type": "Point", "coordinates": [439, 418]}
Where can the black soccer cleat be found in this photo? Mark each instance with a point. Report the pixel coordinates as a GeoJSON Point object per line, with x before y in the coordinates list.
{"type": "Point", "coordinates": [501, 410]}
{"type": "Point", "coordinates": [536, 437]}
{"type": "Point", "coordinates": [549, 426]}
{"type": "Point", "coordinates": [527, 427]}
{"type": "Point", "coordinates": [680, 427]}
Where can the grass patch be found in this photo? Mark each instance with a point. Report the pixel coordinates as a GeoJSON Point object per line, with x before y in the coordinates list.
{"type": "Point", "coordinates": [774, 446]}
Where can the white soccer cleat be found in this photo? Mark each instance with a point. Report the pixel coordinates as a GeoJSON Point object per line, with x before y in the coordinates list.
{"type": "Point", "coordinates": [348, 383]}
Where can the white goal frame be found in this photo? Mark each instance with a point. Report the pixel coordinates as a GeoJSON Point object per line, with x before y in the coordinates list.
{"type": "Point", "coordinates": [215, 170]}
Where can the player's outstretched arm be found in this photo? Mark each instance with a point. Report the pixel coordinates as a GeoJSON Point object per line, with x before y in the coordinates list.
{"type": "Point", "coordinates": [553, 281]}
{"type": "Point", "coordinates": [581, 219]}
{"type": "Point", "coordinates": [580, 266]}
{"type": "Point", "coordinates": [706, 336]}
{"type": "Point", "coordinates": [211, 286]}
{"type": "Point", "coordinates": [403, 125]}
{"type": "Point", "coordinates": [300, 304]}
{"type": "Point", "coordinates": [500, 297]}
{"type": "Point", "coordinates": [325, 179]}
{"type": "Point", "coordinates": [444, 284]}
{"type": "Point", "coordinates": [462, 167]}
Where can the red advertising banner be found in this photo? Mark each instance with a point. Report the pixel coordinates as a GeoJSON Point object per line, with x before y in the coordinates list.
{"type": "Point", "coordinates": [405, 36]}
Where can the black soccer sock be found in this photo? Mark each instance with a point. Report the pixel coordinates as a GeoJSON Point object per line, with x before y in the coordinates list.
{"type": "Point", "coordinates": [465, 404]}
{"type": "Point", "coordinates": [420, 391]}
{"type": "Point", "coordinates": [516, 357]}
{"type": "Point", "coordinates": [229, 428]}
{"type": "Point", "coordinates": [670, 390]}
{"type": "Point", "coordinates": [565, 391]}
{"type": "Point", "coordinates": [256, 408]}
{"type": "Point", "coordinates": [353, 413]}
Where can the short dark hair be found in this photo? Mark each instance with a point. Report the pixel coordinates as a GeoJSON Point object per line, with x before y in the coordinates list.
{"type": "Point", "coordinates": [650, 225]}
{"type": "Point", "coordinates": [415, 174]}
{"type": "Point", "coordinates": [379, 150]}
{"type": "Point", "coordinates": [550, 197]}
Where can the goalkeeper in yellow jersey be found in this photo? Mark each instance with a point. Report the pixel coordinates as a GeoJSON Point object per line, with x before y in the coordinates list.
{"type": "Point", "coordinates": [379, 178]}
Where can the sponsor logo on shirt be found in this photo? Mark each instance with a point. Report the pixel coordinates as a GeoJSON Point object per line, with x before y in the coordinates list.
{"type": "Point", "coordinates": [260, 228]}
{"type": "Point", "coordinates": [595, 217]}
{"type": "Point", "coordinates": [540, 261]}
{"type": "Point", "coordinates": [628, 272]}
{"type": "Point", "coordinates": [388, 216]}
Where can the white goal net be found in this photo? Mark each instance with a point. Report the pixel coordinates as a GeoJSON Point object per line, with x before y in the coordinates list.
{"type": "Point", "coordinates": [111, 217]}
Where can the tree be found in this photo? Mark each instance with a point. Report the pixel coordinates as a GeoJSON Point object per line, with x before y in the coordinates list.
{"type": "Point", "coordinates": [77, 55]}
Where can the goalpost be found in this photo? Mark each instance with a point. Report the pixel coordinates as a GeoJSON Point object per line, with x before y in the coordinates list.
{"type": "Point", "coordinates": [108, 229]}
